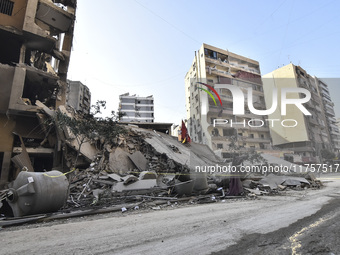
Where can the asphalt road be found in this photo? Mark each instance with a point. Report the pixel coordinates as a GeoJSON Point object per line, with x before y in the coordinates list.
{"type": "Point", "coordinates": [300, 222]}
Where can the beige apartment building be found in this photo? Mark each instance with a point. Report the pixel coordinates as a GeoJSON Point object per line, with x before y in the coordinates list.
{"type": "Point", "coordinates": [209, 122]}
{"type": "Point", "coordinates": [307, 134]}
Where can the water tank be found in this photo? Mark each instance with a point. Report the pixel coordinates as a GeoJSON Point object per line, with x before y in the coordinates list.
{"type": "Point", "coordinates": [35, 192]}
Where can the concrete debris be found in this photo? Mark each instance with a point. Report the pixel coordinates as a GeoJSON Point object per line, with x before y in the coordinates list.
{"type": "Point", "coordinates": [184, 188]}
{"type": "Point", "coordinates": [119, 161]}
{"type": "Point", "coordinates": [143, 186]}
{"type": "Point", "coordinates": [129, 179]}
{"type": "Point", "coordinates": [257, 191]}
{"type": "Point", "coordinates": [145, 165]}
{"type": "Point", "coordinates": [147, 175]}
{"type": "Point", "coordinates": [115, 177]}
{"type": "Point", "coordinates": [139, 160]}
{"type": "Point", "coordinates": [273, 181]}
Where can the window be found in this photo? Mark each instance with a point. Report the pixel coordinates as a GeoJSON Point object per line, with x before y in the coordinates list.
{"type": "Point", "coordinates": [228, 132]}
{"type": "Point", "coordinates": [6, 7]}
{"type": "Point", "coordinates": [220, 146]}
{"type": "Point", "coordinates": [251, 135]}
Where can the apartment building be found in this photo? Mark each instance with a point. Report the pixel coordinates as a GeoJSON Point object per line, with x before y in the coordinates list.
{"type": "Point", "coordinates": [309, 134]}
{"type": "Point", "coordinates": [136, 109]}
{"type": "Point", "coordinates": [328, 109]}
{"type": "Point", "coordinates": [35, 47]}
{"type": "Point", "coordinates": [213, 66]}
{"type": "Point", "coordinates": [78, 96]}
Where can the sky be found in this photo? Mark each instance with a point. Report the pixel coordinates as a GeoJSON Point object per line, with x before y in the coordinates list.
{"type": "Point", "coordinates": [145, 47]}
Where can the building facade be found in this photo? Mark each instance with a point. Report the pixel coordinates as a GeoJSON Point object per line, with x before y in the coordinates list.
{"type": "Point", "coordinates": [312, 133]}
{"type": "Point", "coordinates": [35, 47]}
{"type": "Point", "coordinates": [328, 109]}
{"type": "Point", "coordinates": [213, 66]}
{"type": "Point", "coordinates": [78, 96]}
{"type": "Point", "coordinates": [136, 109]}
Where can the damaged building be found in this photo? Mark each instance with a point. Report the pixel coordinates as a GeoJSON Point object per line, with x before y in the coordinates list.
{"type": "Point", "coordinates": [35, 46]}
{"type": "Point", "coordinates": [313, 133]}
{"type": "Point", "coordinates": [213, 66]}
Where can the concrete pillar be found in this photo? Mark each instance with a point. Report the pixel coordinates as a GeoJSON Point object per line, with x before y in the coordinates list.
{"type": "Point", "coordinates": [5, 168]}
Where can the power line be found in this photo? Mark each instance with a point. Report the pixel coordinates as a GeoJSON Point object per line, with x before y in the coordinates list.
{"type": "Point", "coordinates": [170, 24]}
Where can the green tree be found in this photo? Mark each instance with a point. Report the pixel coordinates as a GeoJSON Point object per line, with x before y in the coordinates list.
{"type": "Point", "coordinates": [88, 127]}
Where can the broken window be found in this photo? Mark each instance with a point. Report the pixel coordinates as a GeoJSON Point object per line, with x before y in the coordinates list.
{"type": "Point", "coordinates": [6, 7]}
{"type": "Point", "coordinates": [220, 146]}
{"type": "Point", "coordinates": [215, 132]}
{"type": "Point", "coordinates": [210, 53]}
{"type": "Point", "coordinates": [9, 49]}
{"type": "Point", "coordinates": [228, 132]}
{"type": "Point", "coordinates": [226, 155]}
{"type": "Point", "coordinates": [38, 87]}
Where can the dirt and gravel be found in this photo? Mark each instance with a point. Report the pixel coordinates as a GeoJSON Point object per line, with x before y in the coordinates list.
{"type": "Point", "coordinates": [261, 226]}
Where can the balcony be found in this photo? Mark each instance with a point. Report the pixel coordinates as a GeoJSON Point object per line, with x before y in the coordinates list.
{"type": "Point", "coordinates": [57, 18]}
{"type": "Point", "coordinates": [313, 121]}
{"type": "Point", "coordinates": [234, 65]}
{"type": "Point", "coordinates": [329, 111]}
{"type": "Point", "coordinates": [254, 140]}
{"type": "Point", "coordinates": [254, 129]}
{"type": "Point", "coordinates": [224, 111]}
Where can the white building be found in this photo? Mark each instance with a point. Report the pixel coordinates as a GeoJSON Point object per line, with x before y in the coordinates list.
{"type": "Point", "coordinates": [136, 109]}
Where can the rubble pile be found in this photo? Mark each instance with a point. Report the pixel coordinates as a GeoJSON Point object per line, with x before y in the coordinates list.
{"type": "Point", "coordinates": [134, 167]}
{"type": "Point", "coordinates": [134, 170]}
{"type": "Point", "coordinates": [273, 184]}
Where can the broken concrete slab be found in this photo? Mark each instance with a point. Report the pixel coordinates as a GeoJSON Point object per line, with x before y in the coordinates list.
{"type": "Point", "coordinates": [47, 110]}
{"type": "Point", "coordinates": [281, 187]}
{"type": "Point", "coordinates": [184, 188]}
{"type": "Point", "coordinates": [136, 186]}
{"type": "Point", "coordinates": [145, 175]}
{"type": "Point", "coordinates": [115, 177]}
{"type": "Point", "coordinates": [256, 191]}
{"type": "Point", "coordinates": [119, 162]}
{"type": "Point", "coordinates": [129, 179]}
{"type": "Point", "coordinates": [139, 160]}
{"type": "Point", "coordinates": [273, 181]}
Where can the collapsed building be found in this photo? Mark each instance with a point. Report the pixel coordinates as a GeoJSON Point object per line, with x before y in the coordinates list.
{"type": "Point", "coordinates": [35, 46]}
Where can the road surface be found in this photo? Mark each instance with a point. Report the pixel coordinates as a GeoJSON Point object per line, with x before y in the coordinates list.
{"type": "Point", "coordinates": [300, 222]}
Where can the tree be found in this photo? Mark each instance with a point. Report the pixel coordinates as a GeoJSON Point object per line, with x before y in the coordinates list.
{"type": "Point", "coordinates": [88, 127]}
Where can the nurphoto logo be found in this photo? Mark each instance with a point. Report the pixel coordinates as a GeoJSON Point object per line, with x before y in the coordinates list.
{"type": "Point", "coordinates": [238, 103]}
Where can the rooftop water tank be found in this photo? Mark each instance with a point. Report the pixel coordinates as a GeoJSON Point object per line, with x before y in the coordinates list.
{"type": "Point", "coordinates": [36, 192]}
